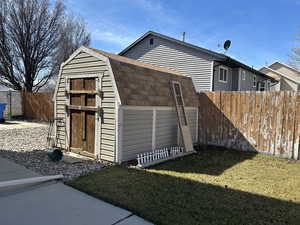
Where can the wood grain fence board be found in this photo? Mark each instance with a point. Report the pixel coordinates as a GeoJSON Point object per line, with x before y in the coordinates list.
{"type": "Point", "coordinates": [242, 126]}
{"type": "Point", "coordinates": [279, 103]}
{"type": "Point", "coordinates": [269, 122]}
{"type": "Point", "coordinates": [290, 124]}
{"type": "Point", "coordinates": [284, 121]}
{"type": "Point", "coordinates": [217, 102]}
{"type": "Point", "coordinates": [260, 121]}
{"type": "Point", "coordinates": [297, 129]}
{"type": "Point", "coordinates": [273, 108]}
{"type": "Point", "coordinates": [211, 112]}
{"type": "Point", "coordinates": [263, 123]}
{"type": "Point", "coordinates": [38, 106]}
{"type": "Point", "coordinates": [251, 126]}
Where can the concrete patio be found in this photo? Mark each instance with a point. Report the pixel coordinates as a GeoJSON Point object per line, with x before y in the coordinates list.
{"type": "Point", "coordinates": [54, 203]}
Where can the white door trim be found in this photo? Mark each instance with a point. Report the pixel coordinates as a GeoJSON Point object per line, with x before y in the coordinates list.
{"type": "Point", "coordinates": [98, 80]}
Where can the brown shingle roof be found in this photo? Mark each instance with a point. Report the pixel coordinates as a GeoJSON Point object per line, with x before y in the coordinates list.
{"type": "Point", "coordinates": [141, 84]}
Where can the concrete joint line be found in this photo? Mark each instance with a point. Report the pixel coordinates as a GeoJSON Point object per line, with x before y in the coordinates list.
{"type": "Point", "coordinates": [121, 220]}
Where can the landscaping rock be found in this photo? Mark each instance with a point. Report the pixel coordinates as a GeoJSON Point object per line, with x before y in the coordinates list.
{"type": "Point", "coordinates": [28, 147]}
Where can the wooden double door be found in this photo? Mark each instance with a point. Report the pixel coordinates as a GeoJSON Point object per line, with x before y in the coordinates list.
{"type": "Point", "coordinates": [82, 115]}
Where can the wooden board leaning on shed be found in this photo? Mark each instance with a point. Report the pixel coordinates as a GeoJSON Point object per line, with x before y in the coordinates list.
{"type": "Point", "coordinates": [181, 116]}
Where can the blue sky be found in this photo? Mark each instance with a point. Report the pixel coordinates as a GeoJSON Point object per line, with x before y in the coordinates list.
{"type": "Point", "coordinates": [261, 31]}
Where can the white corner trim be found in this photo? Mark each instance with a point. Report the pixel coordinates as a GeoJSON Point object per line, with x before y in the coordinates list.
{"type": "Point", "coordinates": [154, 130]}
{"type": "Point", "coordinates": [119, 133]}
{"type": "Point", "coordinates": [197, 126]}
{"type": "Point", "coordinates": [98, 124]}
{"type": "Point", "coordinates": [212, 76]}
{"type": "Point", "coordinates": [57, 84]}
{"type": "Point", "coordinates": [67, 116]}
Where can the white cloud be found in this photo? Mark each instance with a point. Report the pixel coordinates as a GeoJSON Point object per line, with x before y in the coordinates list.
{"type": "Point", "coordinates": [157, 11]}
{"type": "Point", "coordinates": [111, 37]}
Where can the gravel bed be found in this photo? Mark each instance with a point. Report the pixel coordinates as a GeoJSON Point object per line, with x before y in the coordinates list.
{"type": "Point", "coordinates": [27, 147]}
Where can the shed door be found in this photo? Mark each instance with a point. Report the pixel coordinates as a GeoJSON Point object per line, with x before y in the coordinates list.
{"type": "Point", "coordinates": [82, 115]}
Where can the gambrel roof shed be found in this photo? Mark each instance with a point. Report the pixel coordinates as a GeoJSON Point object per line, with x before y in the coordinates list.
{"type": "Point", "coordinates": [124, 93]}
{"type": "Point", "coordinates": [142, 84]}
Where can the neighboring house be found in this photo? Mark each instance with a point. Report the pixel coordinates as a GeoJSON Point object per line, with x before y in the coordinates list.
{"type": "Point", "coordinates": [209, 70]}
{"type": "Point", "coordinates": [3, 88]}
{"type": "Point", "coordinates": [113, 108]}
{"type": "Point", "coordinates": [288, 78]}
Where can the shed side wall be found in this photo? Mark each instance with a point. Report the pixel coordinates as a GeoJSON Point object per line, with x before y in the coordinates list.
{"type": "Point", "coordinates": [138, 128]}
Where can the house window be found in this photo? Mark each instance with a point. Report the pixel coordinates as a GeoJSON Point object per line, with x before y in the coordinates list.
{"type": "Point", "coordinates": [151, 41]}
{"type": "Point", "coordinates": [243, 75]}
{"type": "Point", "coordinates": [262, 86]}
{"type": "Point", "coordinates": [223, 73]}
{"type": "Point", "coordinates": [268, 85]}
{"type": "Point", "coordinates": [254, 81]}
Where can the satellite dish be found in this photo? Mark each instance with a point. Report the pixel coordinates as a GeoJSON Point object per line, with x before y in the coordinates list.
{"type": "Point", "coordinates": [227, 45]}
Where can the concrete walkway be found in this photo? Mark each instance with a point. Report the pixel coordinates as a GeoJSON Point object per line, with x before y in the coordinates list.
{"type": "Point", "coordinates": [54, 203]}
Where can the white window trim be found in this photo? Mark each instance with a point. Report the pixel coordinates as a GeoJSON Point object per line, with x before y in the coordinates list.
{"type": "Point", "coordinates": [243, 74]}
{"type": "Point", "coordinates": [260, 83]}
{"type": "Point", "coordinates": [254, 81]}
{"type": "Point", "coordinates": [224, 68]}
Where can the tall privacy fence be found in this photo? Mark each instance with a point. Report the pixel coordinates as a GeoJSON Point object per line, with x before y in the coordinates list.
{"type": "Point", "coordinates": [38, 106]}
{"type": "Point", "coordinates": [13, 99]}
{"type": "Point", "coordinates": [266, 122]}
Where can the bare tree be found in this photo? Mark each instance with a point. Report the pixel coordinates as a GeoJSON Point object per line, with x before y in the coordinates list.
{"type": "Point", "coordinates": [295, 56]}
{"type": "Point", "coordinates": [31, 33]}
{"type": "Point", "coordinates": [73, 35]}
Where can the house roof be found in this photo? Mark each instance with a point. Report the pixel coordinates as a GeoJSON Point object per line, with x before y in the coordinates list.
{"type": "Point", "coordinates": [279, 74]}
{"type": "Point", "coordinates": [222, 58]}
{"type": "Point", "coordinates": [140, 84]}
{"type": "Point", "coordinates": [285, 65]}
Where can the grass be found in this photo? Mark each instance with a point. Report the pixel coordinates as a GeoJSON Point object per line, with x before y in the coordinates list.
{"type": "Point", "coordinates": [212, 187]}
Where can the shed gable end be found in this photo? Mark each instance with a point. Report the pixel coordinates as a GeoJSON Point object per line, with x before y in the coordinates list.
{"type": "Point", "coordinates": [81, 65]}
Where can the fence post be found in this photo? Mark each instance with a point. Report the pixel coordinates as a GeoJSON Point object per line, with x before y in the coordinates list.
{"type": "Point", "coordinates": [9, 103]}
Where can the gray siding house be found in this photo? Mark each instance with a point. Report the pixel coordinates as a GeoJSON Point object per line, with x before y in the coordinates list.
{"type": "Point", "coordinates": [210, 71]}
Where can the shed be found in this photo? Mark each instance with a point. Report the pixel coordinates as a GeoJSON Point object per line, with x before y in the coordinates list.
{"type": "Point", "coordinates": [112, 108]}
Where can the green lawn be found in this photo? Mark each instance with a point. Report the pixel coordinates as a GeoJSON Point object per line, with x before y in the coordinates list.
{"type": "Point", "coordinates": [212, 187]}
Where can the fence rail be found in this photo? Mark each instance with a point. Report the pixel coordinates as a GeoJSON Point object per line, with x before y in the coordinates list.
{"type": "Point", "coordinates": [38, 106]}
{"type": "Point", "coordinates": [266, 122]}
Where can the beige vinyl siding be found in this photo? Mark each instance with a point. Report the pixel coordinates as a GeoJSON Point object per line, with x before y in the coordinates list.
{"type": "Point", "coordinates": [84, 64]}
{"type": "Point", "coordinates": [284, 70]}
{"type": "Point", "coordinates": [60, 102]}
{"type": "Point", "coordinates": [137, 132]}
{"type": "Point", "coordinates": [138, 129]}
{"type": "Point", "coordinates": [288, 85]}
{"type": "Point", "coordinates": [108, 131]}
{"type": "Point", "coordinates": [166, 128]}
{"type": "Point", "coordinates": [165, 53]}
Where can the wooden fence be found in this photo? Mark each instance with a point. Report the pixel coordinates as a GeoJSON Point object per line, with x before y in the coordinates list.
{"type": "Point", "coordinates": [38, 106]}
{"type": "Point", "coordinates": [266, 122]}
